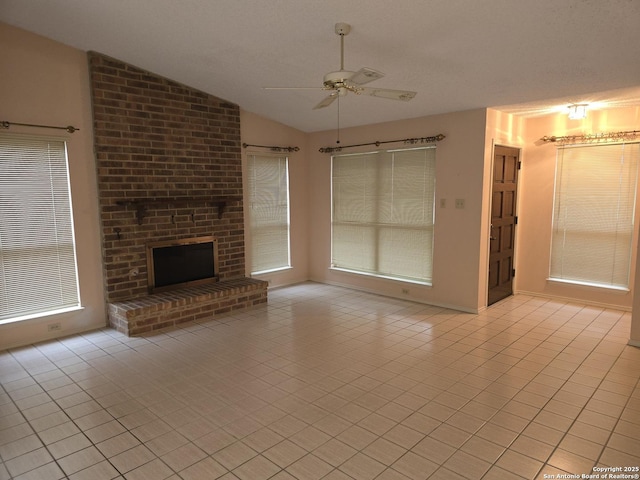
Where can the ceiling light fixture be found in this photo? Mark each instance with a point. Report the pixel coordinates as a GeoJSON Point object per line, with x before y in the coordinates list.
{"type": "Point", "coordinates": [578, 111]}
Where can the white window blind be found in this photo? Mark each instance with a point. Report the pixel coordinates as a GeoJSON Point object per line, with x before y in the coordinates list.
{"type": "Point", "coordinates": [37, 253]}
{"type": "Point", "coordinates": [268, 186]}
{"type": "Point", "coordinates": [383, 213]}
{"type": "Point", "coordinates": [593, 215]}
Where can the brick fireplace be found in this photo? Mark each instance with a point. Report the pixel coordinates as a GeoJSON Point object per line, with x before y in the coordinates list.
{"type": "Point", "coordinates": [169, 168]}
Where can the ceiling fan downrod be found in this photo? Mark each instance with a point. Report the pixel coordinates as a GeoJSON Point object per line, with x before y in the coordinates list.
{"type": "Point", "coordinates": [342, 29]}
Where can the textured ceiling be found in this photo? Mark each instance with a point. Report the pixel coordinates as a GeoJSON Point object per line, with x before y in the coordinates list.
{"type": "Point", "coordinates": [457, 54]}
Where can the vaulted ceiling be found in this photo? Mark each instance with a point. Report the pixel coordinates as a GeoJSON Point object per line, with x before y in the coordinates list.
{"type": "Point", "coordinates": [523, 56]}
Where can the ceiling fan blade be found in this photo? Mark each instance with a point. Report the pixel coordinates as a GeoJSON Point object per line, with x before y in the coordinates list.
{"type": "Point", "coordinates": [326, 101]}
{"type": "Point", "coordinates": [365, 75]}
{"type": "Point", "coordinates": [403, 95]}
{"type": "Point", "coordinates": [340, 82]}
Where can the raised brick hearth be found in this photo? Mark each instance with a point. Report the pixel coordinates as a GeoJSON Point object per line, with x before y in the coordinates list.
{"type": "Point", "coordinates": [167, 309]}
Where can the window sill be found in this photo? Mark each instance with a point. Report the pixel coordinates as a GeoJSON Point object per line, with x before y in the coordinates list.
{"type": "Point", "coordinates": [586, 285]}
{"type": "Point", "coordinates": [385, 277]}
{"type": "Point", "coordinates": [275, 270]}
{"type": "Point", "coordinates": [40, 315]}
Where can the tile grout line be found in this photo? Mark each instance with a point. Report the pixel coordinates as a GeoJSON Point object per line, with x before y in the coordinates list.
{"type": "Point", "coordinates": [271, 339]}
{"type": "Point", "coordinates": [566, 431]}
{"type": "Point", "coordinates": [62, 409]}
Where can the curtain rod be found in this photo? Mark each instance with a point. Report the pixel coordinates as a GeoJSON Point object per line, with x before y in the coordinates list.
{"type": "Point", "coordinates": [593, 137]}
{"type": "Point", "coordinates": [272, 147]}
{"type": "Point", "coordinates": [412, 141]}
{"type": "Point", "coordinates": [68, 128]}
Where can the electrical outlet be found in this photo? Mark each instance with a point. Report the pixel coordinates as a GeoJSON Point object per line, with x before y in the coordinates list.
{"type": "Point", "coordinates": [54, 327]}
{"type": "Point", "coordinates": [405, 291]}
{"type": "Point", "coordinates": [443, 203]}
{"type": "Point", "coordinates": [460, 203]}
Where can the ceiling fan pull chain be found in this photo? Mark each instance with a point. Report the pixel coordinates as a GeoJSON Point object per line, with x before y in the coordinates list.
{"type": "Point", "coordinates": [338, 133]}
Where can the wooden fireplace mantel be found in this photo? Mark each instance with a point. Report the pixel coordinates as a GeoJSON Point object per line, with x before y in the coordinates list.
{"type": "Point", "coordinates": [142, 204]}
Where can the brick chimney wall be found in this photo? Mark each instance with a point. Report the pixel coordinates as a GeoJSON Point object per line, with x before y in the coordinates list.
{"type": "Point", "coordinates": [162, 142]}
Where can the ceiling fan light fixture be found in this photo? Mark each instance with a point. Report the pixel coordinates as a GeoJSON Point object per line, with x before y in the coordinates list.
{"type": "Point", "coordinates": [578, 111]}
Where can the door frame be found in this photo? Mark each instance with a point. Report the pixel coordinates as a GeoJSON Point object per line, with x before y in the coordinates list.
{"type": "Point", "coordinates": [489, 210]}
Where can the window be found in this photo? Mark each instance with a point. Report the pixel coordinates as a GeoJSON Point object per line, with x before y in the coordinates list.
{"type": "Point", "coordinates": [38, 272]}
{"type": "Point", "coordinates": [383, 213]}
{"type": "Point", "coordinates": [268, 185]}
{"type": "Point", "coordinates": [593, 214]}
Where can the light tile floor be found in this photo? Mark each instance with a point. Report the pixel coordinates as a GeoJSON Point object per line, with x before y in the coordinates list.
{"type": "Point", "coordinates": [326, 382]}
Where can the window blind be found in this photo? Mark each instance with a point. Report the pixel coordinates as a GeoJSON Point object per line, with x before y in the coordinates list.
{"type": "Point", "coordinates": [37, 253]}
{"type": "Point", "coordinates": [593, 215]}
{"type": "Point", "coordinates": [383, 213]}
{"type": "Point", "coordinates": [268, 185]}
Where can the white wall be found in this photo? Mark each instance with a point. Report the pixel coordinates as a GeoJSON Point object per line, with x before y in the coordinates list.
{"type": "Point", "coordinates": [44, 82]}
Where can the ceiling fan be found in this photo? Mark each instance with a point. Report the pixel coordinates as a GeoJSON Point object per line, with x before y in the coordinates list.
{"type": "Point", "coordinates": [344, 81]}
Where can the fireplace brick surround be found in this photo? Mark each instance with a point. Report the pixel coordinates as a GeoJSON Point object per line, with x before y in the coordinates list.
{"type": "Point", "coordinates": [169, 167]}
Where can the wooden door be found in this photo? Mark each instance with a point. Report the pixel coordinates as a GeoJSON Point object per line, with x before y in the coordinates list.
{"type": "Point", "coordinates": [503, 222]}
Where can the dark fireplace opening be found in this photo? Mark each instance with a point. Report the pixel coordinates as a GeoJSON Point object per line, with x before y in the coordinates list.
{"type": "Point", "coordinates": [181, 263]}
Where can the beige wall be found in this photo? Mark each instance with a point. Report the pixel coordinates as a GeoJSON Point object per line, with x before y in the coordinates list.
{"type": "Point", "coordinates": [634, 335]}
{"type": "Point", "coordinates": [44, 82]}
{"type": "Point", "coordinates": [256, 130]}
{"type": "Point", "coordinates": [464, 166]}
{"type": "Point", "coordinates": [458, 273]}
{"type": "Point", "coordinates": [505, 130]}
{"type": "Point", "coordinates": [536, 205]}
